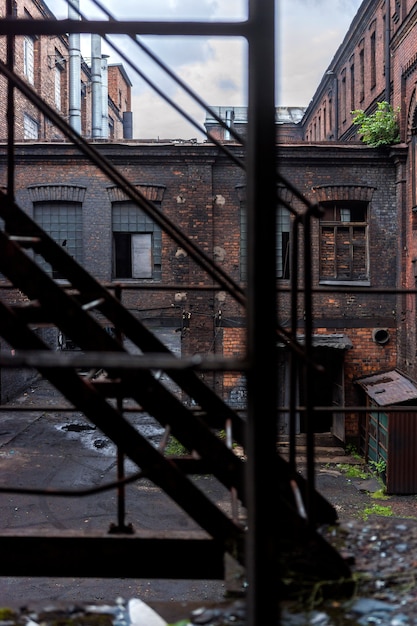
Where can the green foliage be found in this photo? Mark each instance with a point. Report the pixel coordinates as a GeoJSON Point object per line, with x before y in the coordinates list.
{"type": "Point", "coordinates": [380, 494]}
{"type": "Point", "coordinates": [352, 451]}
{"type": "Point", "coordinates": [175, 448]}
{"type": "Point", "coordinates": [377, 509]}
{"type": "Point", "coordinates": [7, 614]}
{"type": "Point", "coordinates": [379, 128]}
{"type": "Point", "coordinates": [379, 466]}
{"type": "Point", "coordinates": [352, 471]}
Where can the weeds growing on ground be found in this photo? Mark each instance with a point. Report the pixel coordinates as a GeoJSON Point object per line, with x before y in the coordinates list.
{"type": "Point", "coordinates": [352, 471]}
{"type": "Point", "coordinates": [377, 509]}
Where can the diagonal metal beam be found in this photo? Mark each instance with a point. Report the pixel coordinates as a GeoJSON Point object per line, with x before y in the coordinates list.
{"type": "Point", "coordinates": [160, 470]}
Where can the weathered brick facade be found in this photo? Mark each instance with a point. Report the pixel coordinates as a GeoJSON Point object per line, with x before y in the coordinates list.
{"type": "Point", "coordinates": [377, 62]}
{"type": "Point", "coordinates": [201, 192]}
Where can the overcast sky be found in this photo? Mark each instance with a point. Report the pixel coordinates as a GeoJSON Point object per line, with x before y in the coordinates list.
{"type": "Point", "coordinates": [308, 35]}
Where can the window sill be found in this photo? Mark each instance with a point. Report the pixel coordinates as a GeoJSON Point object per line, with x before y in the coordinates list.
{"type": "Point", "coordinates": [346, 283]}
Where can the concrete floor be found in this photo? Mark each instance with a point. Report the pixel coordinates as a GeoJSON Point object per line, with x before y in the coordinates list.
{"type": "Point", "coordinates": [57, 449]}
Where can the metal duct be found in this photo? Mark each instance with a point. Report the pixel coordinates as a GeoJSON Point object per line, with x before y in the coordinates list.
{"type": "Point", "coordinates": [229, 122]}
{"type": "Point", "coordinates": [96, 96]}
{"type": "Point", "coordinates": [104, 97]}
{"type": "Point", "coordinates": [74, 70]}
{"type": "Point", "coordinates": [127, 125]}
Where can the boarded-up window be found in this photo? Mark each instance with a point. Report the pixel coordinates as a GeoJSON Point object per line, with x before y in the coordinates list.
{"type": "Point", "coordinates": [137, 243]}
{"type": "Point", "coordinates": [344, 242]}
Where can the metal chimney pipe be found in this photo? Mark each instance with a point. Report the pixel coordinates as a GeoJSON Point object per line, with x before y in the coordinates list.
{"type": "Point", "coordinates": [74, 70]}
{"type": "Point", "coordinates": [104, 97]}
{"type": "Point", "coordinates": [96, 86]}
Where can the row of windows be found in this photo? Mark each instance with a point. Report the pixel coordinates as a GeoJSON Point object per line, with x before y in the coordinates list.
{"type": "Point", "coordinates": [137, 240]}
{"type": "Point", "coordinates": [31, 126]}
{"type": "Point", "coordinates": [347, 93]}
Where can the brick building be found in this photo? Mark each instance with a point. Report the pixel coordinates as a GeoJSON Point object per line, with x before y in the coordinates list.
{"type": "Point", "coordinates": [117, 243]}
{"type": "Point", "coordinates": [377, 62]}
{"type": "Point", "coordinates": [361, 245]}
{"type": "Point", "coordinates": [287, 120]}
{"type": "Point", "coordinates": [80, 93]}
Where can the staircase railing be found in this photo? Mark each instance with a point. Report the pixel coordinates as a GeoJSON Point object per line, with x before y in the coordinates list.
{"type": "Point", "coordinates": [73, 311]}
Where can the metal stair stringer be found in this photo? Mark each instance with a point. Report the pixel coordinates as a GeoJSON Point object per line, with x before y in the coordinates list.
{"type": "Point", "coordinates": [163, 472]}
{"type": "Point", "coordinates": [67, 314]}
{"type": "Point", "coordinates": [29, 234]}
{"type": "Point", "coordinates": [159, 469]}
{"type": "Point", "coordinates": [20, 225]}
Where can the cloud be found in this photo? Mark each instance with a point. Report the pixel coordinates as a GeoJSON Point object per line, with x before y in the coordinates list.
{"type": "Point", "coordinates": [219, 80]}
{"type": "Point", "coordinates": [309, 33]}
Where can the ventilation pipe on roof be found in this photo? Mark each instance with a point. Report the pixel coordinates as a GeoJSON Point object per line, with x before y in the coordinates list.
{"type": "Point", "coordinates": [229, 121]}
{"type": "Point", "coordinates": [104, 97]}
{"type": "Point", "coordinates": [74, 70]}
{"type": "Point", "coordinates": [96, 104]}
{"type": "Point", "coordinates": [127, 125]}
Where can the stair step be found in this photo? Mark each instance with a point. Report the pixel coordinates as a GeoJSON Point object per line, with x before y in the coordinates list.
{"type": "Point", "coordinates": [318, 450]}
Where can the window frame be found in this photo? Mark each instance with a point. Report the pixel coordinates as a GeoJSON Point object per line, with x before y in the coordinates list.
{"type": "Point", "coordinates": [62, 220]}
{"type": "Point", "coordinates": [30, 127]}
{"type": "Point", "coordinates": [29, 58]}
{"type": "Point", "coordinates": [129, 222]}
{"type": "Point", "coordinates": [282, 242]}
{"type": "Point", "coordinates": [347, 269]}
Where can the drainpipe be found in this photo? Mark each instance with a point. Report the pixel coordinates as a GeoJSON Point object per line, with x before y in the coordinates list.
{"type": "Point", "coordinates": [74, 70]}
{"type": "Point", "coordinates": [96, 86]}
{"type": "Point", "coordinates": [388, 52]}
{"type": "Point", "coordinates": [104, 97]}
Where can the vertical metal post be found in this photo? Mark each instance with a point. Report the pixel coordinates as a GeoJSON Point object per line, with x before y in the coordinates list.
{"type": "Point", "coordinates": [263, 521]}
{"type": "Point", "coordinates": [308, 367]}
{"type": "Point", "coordinates": [121, 526]}
{"type": "Point", "coordinates": [294, 365]}
{"type": "Point", "coordinates": [10, 108]}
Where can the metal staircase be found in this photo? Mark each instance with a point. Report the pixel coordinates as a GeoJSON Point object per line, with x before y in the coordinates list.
{"type": "Point", "coordinates": [81, 308]}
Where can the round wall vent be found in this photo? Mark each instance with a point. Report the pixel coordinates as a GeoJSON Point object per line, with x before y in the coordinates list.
{"type": "Point", "coordinates": [380, 336]}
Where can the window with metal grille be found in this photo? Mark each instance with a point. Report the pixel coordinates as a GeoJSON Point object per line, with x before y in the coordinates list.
{"type": "Point", "coordinates": [63, 222]}
{"type": "Point", "coordinates": [282, 246]}
{"type": "Point", "coordinates": [344, 252]}
{"type": "Point", "coordinates": [137, 243]}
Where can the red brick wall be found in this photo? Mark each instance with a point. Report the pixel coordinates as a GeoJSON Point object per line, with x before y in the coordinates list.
{"type": "Point", "coordinates": [44, 82]}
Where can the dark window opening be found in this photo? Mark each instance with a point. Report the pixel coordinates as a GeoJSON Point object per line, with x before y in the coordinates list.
{"type": "Point", "coordinates": [137, 242]}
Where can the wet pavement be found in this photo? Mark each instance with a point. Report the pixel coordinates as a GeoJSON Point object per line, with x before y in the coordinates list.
{"type": "Point", "coordinates": [55, 448]}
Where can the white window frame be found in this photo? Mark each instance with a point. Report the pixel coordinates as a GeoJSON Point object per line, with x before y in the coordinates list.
{"type": "Point", "coordinates": [30, 127]}
{"type": "Point", "coordinates": [28, 58]}
{"type": "Point", "coordinates": [58, 87]}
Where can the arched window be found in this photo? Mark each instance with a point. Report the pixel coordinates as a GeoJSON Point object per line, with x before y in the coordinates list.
{"type": "Point", "coordinates": [58, 211]}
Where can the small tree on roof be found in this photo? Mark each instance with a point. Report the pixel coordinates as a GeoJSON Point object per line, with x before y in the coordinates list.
{"type": "Point", "coordinates": [379, 128]}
